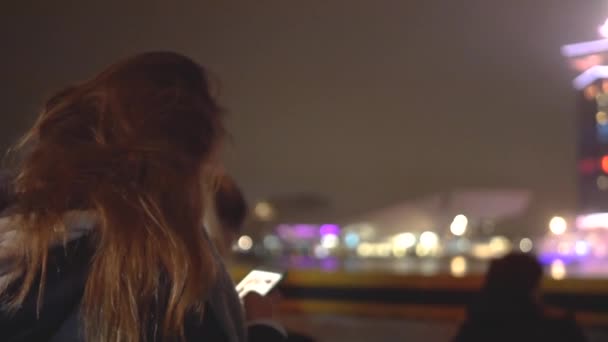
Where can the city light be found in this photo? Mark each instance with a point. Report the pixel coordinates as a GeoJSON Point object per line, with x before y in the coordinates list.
{"type": "Point", "coordinates": [499, 246]}
{"type": "Point", "coordinates": [330, 241]}
{"type": "Point", "coordinates": [429, 240]}
{"type": "Point", "coordinates": [422, 251]}
{"type": "Point", "coordinates": [365, 250]}
{"type": "Point", "coordinates": [458, 266]}
{"type": "Point", "coordinates": [428, 244]}
{"type": "Point", "coordinates": [603, 29]}
{"type": "Point", "coordinates": [366, 231]}
{"type": "Point", "coordinates": [558, 225]}
{"type": "Point", "coordinates": [245, 243]}
{"type": "Point", "coordinates": [368, 250]}
{"type": "Point", "coordinates": [459, 225]}
{"type": "Point", "coordinates": [592, 221]}
{"type": "Point", "coordinates": [601, 118]}
{"type": "Point", "coordinates": [591, 92]}
{"type": "Point", "coordinates": [583, 63]}
{"type": "Point", "coordinates": [600, 251]}
{"type": "Point", "coordinates": [589, 76]}
{"type": "Point", "coordinates": [602, 183]}
{"type": "Point", "coordinates": [605, 164]}
{"type": "Point", "coordinates": [329, 229]}
{"type": "Point", "coordinates": [581, 248]}
{"type": "Point", "coordinates": [264, 211]}
{"type": "Point", "coordinates": [463, 245]}
{"type": "Point", "coordinates": [482, 251]}
{"type": "Point", "coordinates": [526, 245]}
{"type": "Point", "coordinates": [564, 247]}
{"type": "Point", "coordinates": [272, 242]}
{"type": "Point", "coordinates": [383, 250]}
{"type": "Point", "coordinates": [588, 166]}
{"type": "Point", "coordinates": [351, 240]}
{"type": "Point", "coordinates": [404, 240]}
{"type": "Point", "coordinates": [321, 252]}
{"type": "Point", "coordinates": [584, 48]}
{"type": "Point", "coordinates": [557, 270]}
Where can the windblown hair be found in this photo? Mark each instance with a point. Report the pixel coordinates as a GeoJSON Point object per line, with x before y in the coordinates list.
{"type": "Point", "coordinates": [135, 145]}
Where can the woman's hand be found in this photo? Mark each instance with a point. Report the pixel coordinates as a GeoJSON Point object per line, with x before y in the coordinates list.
{"type": "Point", "coordinates": [259, 307]}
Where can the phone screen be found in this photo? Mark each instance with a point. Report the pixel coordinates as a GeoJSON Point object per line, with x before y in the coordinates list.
{"type": "Point", "coordinates": [258, 281]}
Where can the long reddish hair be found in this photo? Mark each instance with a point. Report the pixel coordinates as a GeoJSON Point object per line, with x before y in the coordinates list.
{"type": "Point", "coordinates": [135, 145]}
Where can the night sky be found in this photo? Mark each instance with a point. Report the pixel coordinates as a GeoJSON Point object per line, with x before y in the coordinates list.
{"type": "Point", "coordinates": [365, 103]}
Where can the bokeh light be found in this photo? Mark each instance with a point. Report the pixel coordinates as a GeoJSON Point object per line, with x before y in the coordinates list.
{"type": "Point", "coordinates": [558, 225]}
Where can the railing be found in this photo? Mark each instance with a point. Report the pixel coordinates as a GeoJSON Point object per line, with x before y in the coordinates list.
{"type": "Point", "coordinates": [417, 297]}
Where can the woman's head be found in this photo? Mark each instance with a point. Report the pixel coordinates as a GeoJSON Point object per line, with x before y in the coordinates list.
{"type": "Point", "coordinates": [135, 144]}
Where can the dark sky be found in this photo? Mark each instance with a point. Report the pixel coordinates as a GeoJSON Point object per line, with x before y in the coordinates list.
{"type": "Point", "coordinates": [365, 102]}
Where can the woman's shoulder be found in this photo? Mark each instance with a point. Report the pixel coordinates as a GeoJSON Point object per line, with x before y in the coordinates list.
{"type": "Point", "coordinates": [563, 325]}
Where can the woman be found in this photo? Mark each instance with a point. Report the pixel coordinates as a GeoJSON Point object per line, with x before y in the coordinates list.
{"type": "Point", "coordinates": [103, 240]}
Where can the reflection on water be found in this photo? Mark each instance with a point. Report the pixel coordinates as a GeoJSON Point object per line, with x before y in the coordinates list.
{"type": "Point", "coordinates": [557, 270]}
{"type": "Point", "coordinates": [428, 267]}
{"type": "Point", "coordinates": [330, 264]}
{"type": "Point", "coordinates": [458, 266]}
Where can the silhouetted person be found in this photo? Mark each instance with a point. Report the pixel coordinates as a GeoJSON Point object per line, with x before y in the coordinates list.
{"type": "Point", "coordinates": [225, 219]}
{"type": "Point", "coordinates": [508, 307]}
{"type": "Point", "coordinates": [231, 210]}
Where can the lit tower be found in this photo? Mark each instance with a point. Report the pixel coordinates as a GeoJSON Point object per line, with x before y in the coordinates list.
{"type": "Point", "coordinates": [590, 60]}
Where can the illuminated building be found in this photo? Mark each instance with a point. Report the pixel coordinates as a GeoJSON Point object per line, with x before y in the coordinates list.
{"type": "Point", "coordinates": [590, 60]}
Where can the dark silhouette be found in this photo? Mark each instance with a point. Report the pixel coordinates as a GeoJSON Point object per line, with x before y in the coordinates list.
{"type": "Point", "coordinates": [509, 307]}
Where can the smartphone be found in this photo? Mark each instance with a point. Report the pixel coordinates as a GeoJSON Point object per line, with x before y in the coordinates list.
{"type": "Point", "coordinates": [260, 281]}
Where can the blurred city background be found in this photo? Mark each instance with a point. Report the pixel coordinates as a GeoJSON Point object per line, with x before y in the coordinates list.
{"type": "Point", "coordinates": [388, 149]}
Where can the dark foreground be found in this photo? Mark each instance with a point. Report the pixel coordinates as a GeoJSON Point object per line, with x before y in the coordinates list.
{"type": "Point", "coordinates": [349, 328]}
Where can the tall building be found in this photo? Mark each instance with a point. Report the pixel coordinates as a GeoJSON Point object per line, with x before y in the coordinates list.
{"type": "Point", "coordinates": [590, 59]}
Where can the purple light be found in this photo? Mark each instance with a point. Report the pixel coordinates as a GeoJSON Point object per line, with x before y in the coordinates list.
{"type": "Point", "coordinates": [585, 48]}
{"type": "Point", "coordinates": [284, 231]}
{"type": "Point", "coordinates": [297, 231]}
{"type": "Point", "coordinates": [329, 229]}
{"type": "Point", "coordinates": [330, 264]}
{"type": "Point", "coordinates": [549, 258]}
{"type": "Point", "coordinates": [302, 262]}
{"type": "Point", "coordinates": [591, 75]}
{"type": "Point", "coordinates": [305, 231]}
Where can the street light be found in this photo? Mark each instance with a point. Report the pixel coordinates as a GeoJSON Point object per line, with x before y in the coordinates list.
{"type": "Point", "coordinates": [264, 211]}
{"type": "Point", "coordinates": [558, 225]}
{"type": "Point", "coordinates": [459, 225]}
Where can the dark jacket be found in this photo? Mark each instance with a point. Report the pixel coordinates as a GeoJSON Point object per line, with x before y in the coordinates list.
{"type": "Point", "coordinates": [516, 319]}
{"type": "Point", "coordinates": [59, 317]}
